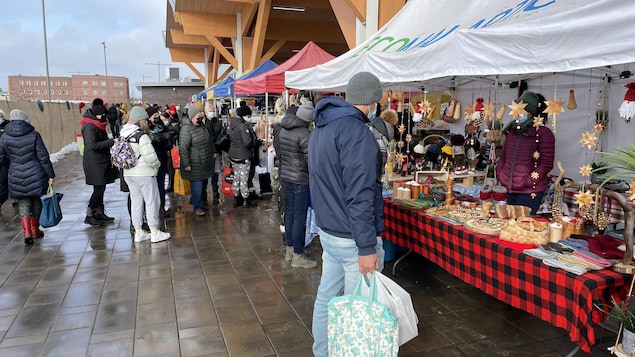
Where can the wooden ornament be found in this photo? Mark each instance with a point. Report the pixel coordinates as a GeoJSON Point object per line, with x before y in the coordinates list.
{"type": "Point", "coordinates": [501, 112]}
{"type": "Point", "coordinates": [571, 104]}
{"type": "Point", "coordinates": [400, 107]}
{"type": "Point", "coordinates": [457, 111]}
{"type": "Point", "coordinates": [450, 111]}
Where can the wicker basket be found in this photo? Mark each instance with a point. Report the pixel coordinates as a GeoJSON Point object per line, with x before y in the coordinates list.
{"type": "Point", "coordinates": [526, 231]}
{"type": "Point", "coordinates": [485, 226]}
{"type": "Point", "coordinates": [463, 215]}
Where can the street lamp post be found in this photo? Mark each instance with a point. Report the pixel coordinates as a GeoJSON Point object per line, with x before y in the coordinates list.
{"type": "Point", "coordinates": [46, 53]}
{"type": "Point", "coordinates": [106, 69]}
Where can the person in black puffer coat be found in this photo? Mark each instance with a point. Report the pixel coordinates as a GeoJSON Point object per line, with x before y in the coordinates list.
{"type": "Point", "coordinates": [162, 141]}
{"type": "Point", "coordinates": [294, 176]}
{"type": "Point", "coordinates": [97, 164]}
{"type": "Point", "coordinates": [241, 153]}
{"type": "Point", "coordinates": [4, 169]}
{"type": "Point", "coordinates": [30, 171]}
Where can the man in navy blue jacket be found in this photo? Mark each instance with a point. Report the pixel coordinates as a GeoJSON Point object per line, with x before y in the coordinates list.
{"type": "Point", "coordinates": [345, 184]}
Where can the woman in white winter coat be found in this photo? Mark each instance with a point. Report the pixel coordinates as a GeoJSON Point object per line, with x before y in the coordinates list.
{"type": "Point", "coordinates": [141, 178]}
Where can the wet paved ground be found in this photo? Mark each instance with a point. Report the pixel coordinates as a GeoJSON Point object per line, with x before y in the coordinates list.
{"type": "Point", "coordinates": [219, 287]}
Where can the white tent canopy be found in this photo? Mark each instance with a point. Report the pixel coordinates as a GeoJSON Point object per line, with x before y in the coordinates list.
{"type": "Point", "coordinates": [431, 39]}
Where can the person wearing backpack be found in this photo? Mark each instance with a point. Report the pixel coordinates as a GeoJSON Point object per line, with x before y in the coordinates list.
{"type": "Point", "coordinates": [141, 178]}
{"type": "Point", "coordinates": [96, 161]}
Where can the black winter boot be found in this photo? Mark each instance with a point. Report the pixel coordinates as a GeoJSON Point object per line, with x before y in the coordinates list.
{"type": "Point", "coordinates": [247, 202]}
{"type": "Point", "coordinates": [238, 201]}
{"type": "Point", "coordinates": [92, 219]}
{"type": "Point", "coordinates": [215, 198]}
{"type": "Point", "coordinates": [100, 214]}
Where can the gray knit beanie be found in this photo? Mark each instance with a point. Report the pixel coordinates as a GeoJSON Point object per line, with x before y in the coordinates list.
{"type": "Point", "coordinates": [305, 111]}
{"type": "Point", "coordinates": [17, 114]}
{"type": "Point", "coordinates": [137, 114]}
{"type": "Point", "coordinates": [363, 88]}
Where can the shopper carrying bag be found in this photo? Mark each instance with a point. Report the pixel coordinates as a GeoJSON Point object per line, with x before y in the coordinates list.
{"type": "Point", "coordinates": [360, 326]}
{"type": "Point", "coordinates": [51, 213]}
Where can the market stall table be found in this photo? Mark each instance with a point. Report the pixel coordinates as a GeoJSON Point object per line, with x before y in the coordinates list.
{"type": "Point", "coordinates": [613, 207]}
{"type": "Point", "coordinates": [563, 299]}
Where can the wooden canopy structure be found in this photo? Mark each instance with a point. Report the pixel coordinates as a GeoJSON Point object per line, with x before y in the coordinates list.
{"type": "Point", "coordinates": [245, 33]}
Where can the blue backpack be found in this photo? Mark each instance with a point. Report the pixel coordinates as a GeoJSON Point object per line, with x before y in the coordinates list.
{"type": "Point", "coordinates": [122, 155]}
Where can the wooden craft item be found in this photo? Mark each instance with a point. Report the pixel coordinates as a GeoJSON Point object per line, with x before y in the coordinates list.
{"type": "Point", "coordinates": [450, 111]}
{"type": "Point", "coordinates": [491, 226]}
{"type": "Point", "coordinates": [501, 112]}
{"type": "Point", "coordinates": [571, 104]}
{"type": "Point", "coordinates": [525, 231]}
{"type": "Point", "coordinates": [457, 111]}
{"type": "Point", "coordinates": [415, 190]}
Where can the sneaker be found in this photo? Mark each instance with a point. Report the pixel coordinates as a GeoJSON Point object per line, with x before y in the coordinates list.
{"type": "Point", "coordinates": [288, 255]}
{"type": "Point", "coordinates": [301, 261]}
{"type": "Point", "coordinates": [140, 237]}
{"type": "Point", "coordinates": [159, 237]}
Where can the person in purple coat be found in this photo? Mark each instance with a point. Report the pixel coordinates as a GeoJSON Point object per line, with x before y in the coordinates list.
{"type": "Point", "coordinates": [528, 155]}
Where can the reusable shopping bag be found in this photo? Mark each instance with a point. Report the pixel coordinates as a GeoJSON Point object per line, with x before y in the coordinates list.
{"type": "Point", "coordinates": [181, 186]}
{"type": "Point", "coordinates": [360, 326]}
{"type": "Point", "coordinates": [51, 213]}
{"type": "Point", "coordinates": [398, 300]}
{"type": "Point", "coordinates": [228, 180]}
{"type": "Point", "coordinates": [176, 157]}
{"type": "Point", "coordinates": [80, 143]}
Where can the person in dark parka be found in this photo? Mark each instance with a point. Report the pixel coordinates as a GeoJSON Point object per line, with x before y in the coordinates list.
{"type": "Point", "coordinates": [4, 169]}
{"type": "Point", "coordinates": [97, 164]}
{"type": "Point", "coordinates": [30, 171]}
{"type": "Point", "coordinates": [196, 150]}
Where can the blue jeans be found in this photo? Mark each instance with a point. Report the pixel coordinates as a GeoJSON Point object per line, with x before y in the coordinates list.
{"type": "Point", "coordinates": [196, 197]}
{"type": "Point", "coordinates": [297, 197]}
{"type": "Point", "coordinates": [214, 182]}
{"type": "Point", "coordinates": [340, 270]}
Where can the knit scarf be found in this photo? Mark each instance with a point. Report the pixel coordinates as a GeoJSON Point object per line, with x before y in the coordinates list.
{"type": "Point", "coordinates": [101, 125]}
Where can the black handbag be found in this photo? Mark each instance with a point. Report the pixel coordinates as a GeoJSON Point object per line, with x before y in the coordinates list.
{"type": "Point", "coordinates": [223, 142]}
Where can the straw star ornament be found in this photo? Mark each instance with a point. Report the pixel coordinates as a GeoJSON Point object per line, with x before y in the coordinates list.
{"type": "Point", "coordinates": [585, 170]}
{"type": "Point", "coordinates": [598, 127]}
{"type": "Point", "coordinates": [401, 129]}
{"type": "Point", "coordinates": [469, 111]}
{"type": "Point", "coordinates": [517, 109]}
{"type": "Point", "coordinates": [584, 198]}
{"type": "Point", "coordinates": [424, 106]}
{"type": "Point", "coordinates": [488, 110]}
{"type": "Point", "coordinates": [538, 122]}
{"type": "Point", "coordinates": [631, 192]}
{"type": "Point", "coordinates": [554, 106]}
{"type": "Point", "coordinates": [588, 140]}
{"type": "Point", "coordinates": [536, 155]}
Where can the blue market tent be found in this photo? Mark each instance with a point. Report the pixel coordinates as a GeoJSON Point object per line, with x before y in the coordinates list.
{"type": "Point", "coordinates": [226, 87]}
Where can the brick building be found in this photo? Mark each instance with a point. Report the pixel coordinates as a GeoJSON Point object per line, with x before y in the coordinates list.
{"type": "Point", "coordinates": [111, 89]}
{"type": "Point", "coordinates": [169, 92]}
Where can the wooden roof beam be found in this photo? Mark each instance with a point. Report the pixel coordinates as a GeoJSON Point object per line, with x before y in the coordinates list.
{"type": "Point", "coordinates": [346, 19]}
{"type": "Point", "coordinates": [358, 7]}
{"type": "Point", "coordinates": [196, 71]}
{"type": "Point", "coordinates": [260, 32]}
{"type": "Point", "coordinates": [223, 51]}
{"type": "Point", "coordinates": [320, 31]}
{"type": "Point", "coordinates": [272, 51]}
{"type": "Point", "coordinates": [194, 55]}
{"type": "Point", "coordinates": [180, 38]}
{"type": "Point", "coordinates": [247, 15]}
{"type": "Point", "coordinates": [209, 24]}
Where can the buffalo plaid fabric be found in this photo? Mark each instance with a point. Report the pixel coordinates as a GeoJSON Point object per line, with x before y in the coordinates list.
{"type": "Point", "coordinates": [563, 299]}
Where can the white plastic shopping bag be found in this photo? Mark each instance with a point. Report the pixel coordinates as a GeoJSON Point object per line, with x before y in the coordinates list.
{"type": "Point", "coordinates": [398, 300]}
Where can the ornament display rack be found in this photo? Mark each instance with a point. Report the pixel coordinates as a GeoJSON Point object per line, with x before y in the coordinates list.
{"type": "Point", "coordinates": [467, 178]}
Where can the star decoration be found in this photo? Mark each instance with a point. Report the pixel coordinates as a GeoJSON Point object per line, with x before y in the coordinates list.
{"type": "Point", "coordinates": [488, 110]}
{"type": "Point", "coordinates": [469, 110]}
{"type": "Point", "coordinates": [598, 127]}
{"type": "Point", "coordinates": [538, 122]}
{"type": "Point", "coordinates": [517, 109]}
{"type": "Point", "coordinates": [401, 129]}
{"type": "Point", "coordinates": [408, 138]}
{"type": "Point", "coordinates": [584, 198]}
{"type": "Point", "coordinates": [400, 158]}
{"type": "Point", "coordinates": [533, 195]}
{"type": "Point", "coordinates": [536, 155]}
{"type": "Point", "coordinates": [588, 140]}
{"type": "Point", "coordinates": [554, 106]}
{"type": "Point", "coordinates": [585, 170]}
{"type": "Point", "coordinates": [535, 175]}
{"type": "Point", "coordinates": [631, 192]}
{"type": "Point", "coordinates": [424, 106]}
{"type": "Point", "coordinates": [400, 144]}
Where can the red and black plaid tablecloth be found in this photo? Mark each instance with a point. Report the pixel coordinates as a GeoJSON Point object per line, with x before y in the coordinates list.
{"type": "Point", "coordinates": [563, 299]}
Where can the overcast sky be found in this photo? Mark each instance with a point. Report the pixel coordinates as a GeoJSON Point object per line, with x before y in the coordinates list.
{"type": "Point", "coordinates": [132, 30]}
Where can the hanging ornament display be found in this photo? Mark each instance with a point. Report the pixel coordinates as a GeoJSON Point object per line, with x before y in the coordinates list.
{"type": "Point", "coordinates": [627, 109]}
{"type": "Point", "coordinates": [517, 109]}
{"type": "Point", "coordinates": [469, 111]}
{"type": "Point", "coordinates": [598, 127]}
{"type": "Point", "coordinates": [554, 107]}
{"type": "Point", "coordinates": [588, 140]}
{"type": "Point", "coordinates": [488, 110]}
{"type": "Point", "coordinates": [571, 104]}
